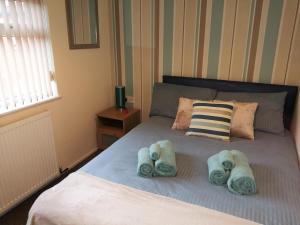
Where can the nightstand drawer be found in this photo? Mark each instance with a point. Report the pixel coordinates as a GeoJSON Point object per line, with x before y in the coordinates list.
{"type": "Point", "coordinates": [113, 131]}
{"type": "Point", "coordinates": [109, 122]}
{"type": "Point", "coordinates": [116, 123]}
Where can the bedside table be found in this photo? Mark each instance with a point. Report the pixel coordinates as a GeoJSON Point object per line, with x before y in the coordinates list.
{"type": "Point", "coordinates": [115, 123]}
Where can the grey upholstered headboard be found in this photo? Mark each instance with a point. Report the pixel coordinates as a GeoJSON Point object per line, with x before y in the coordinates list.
{"type": "Point", "coordinates": [236, 86]}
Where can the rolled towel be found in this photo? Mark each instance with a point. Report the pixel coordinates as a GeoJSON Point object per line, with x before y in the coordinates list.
{"type": "Point", "coordinates": [226, 159]}
{"type": "Point", "coordinates": [145, 166]}
{"type": "Point", "coordinates": [154, 151]}
{"type": "Point", "coordinates": [217, 175]}
{"type": "Point", "coordinates": [164, 144]}
{"type": "Point", "coordinates": [241, 180]}
{"type": "Point", "coordinates": [166, 164]}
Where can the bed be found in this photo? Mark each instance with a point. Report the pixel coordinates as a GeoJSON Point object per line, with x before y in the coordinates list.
{"type": "Point", "coordinates": [273, 159]}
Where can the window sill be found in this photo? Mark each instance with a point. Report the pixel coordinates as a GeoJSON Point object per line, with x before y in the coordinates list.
{"type": "Point", "coordinates": [30, 106]}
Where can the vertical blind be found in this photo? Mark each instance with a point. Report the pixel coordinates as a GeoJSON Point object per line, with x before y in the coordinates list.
{"type": "Point", "coordinates": [26, 59]}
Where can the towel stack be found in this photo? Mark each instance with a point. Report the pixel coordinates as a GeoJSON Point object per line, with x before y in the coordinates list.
{"type": "Point", "coordinates": [157, 160]}
{"type": "Point", "coordinates": [232, 167]}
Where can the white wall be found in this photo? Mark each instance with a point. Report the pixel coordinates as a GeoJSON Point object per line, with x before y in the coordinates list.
{"type": "Point", "coordinates": [85, 80]}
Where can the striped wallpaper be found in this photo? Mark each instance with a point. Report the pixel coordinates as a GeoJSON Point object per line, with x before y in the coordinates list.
{"type": "Point", "coordinates": [244, 40]}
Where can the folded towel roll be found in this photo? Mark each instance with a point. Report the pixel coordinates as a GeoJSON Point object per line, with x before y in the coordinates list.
{"type": "Point", "coordinates": [145, 166]}
{"type": "Point", "coordinates": [217, 175]}
{"type": "Point", "coordinates": [154, 151]}
{"type": "Point", "coordinates": [165, 144]}
{"type": "Point", "coordinates": [226, 159]}
{"type": "Point", "coordinates": [241, 180]}
{"type": "Point", "coordinates": [166, 164]}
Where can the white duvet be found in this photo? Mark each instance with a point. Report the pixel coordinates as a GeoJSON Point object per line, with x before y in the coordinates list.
{"type": "Point", "coordinates": [82, 199]}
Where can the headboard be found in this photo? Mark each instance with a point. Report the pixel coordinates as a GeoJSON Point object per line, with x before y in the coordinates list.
{"type": "Point", "coordinates": [236, 86]}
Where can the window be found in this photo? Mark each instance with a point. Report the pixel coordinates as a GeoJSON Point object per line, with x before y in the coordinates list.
{"type": "Point", "coordinates": [26, 60]}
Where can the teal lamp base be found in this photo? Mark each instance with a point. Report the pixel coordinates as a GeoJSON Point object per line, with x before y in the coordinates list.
{"type": "Point", "coordinates": [120, 97]}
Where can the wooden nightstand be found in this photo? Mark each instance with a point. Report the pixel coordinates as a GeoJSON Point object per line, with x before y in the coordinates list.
{"type": "Point", "coordinates": [114, 123]}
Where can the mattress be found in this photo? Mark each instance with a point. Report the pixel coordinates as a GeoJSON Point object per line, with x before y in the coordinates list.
{"type": "Point", "coordinates": [273, 159]}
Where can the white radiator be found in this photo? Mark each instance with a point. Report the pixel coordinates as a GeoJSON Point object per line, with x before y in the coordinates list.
{"type": "Point", "coordinates": [27, 158]}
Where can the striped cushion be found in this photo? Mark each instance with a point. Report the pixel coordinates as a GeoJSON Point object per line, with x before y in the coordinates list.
{"type": "Point", "coordinates": [211, 119]}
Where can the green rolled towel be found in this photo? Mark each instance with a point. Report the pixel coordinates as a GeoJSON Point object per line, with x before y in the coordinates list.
{"type": "Point", "coordinates": [217, 175]}
{"type": "Point", "coordinates": [241, 180]}
{"type": "Point", "coordinates": [165, 144]}
{"type": "Point", "coordinates": [226, 159]}
{"type": "Point", "coordinates": [166, 164]}
{"type": "Point", "coordinates": [145, 166]}
{"type": "Point", "coordinates": [154, 151]}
